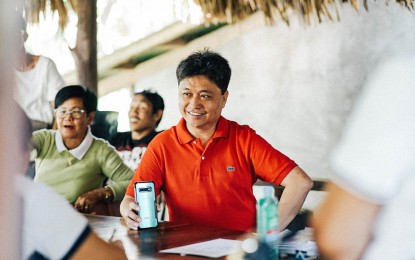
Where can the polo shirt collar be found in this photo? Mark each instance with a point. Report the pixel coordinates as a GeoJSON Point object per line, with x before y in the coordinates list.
{"type": "Point", "coordinates": [80, 151]}
{"type": "Point", "coordinates": [222, 130]}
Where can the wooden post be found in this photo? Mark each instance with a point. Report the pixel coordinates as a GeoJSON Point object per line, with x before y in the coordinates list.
{"type": "Point", "coordinates": [85, 51]}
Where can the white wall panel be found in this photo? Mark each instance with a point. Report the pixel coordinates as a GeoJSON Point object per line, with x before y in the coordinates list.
{"type": "Point", "coordinates": [296, 85]}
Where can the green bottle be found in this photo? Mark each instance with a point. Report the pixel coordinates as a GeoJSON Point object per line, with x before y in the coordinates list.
{"type": "Point", "coordinates": [267, 220]}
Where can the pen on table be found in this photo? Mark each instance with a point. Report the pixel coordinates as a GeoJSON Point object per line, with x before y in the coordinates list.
{"type": "Point", "coordinates": [111, 234]}
{"type": "Point", "coordinates": [287, 234]}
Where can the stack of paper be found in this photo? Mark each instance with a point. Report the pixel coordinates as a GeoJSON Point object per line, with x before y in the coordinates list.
{"type": "Point", "coordinates": [214, 248]}
{"type": "Point", "coordinates": [301, 245]}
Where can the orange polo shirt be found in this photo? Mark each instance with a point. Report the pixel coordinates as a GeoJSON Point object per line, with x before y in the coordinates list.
{"type": "Point", "coordinates": [212, 185]}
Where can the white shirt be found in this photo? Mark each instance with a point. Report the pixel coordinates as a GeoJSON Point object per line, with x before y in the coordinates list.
{"type": "Point", "coordinates": [36, 88]}
{"type": "Point", "coordinates": [375, 158]}
{"type": "Point", "coordinates": [78, 152]}
{"type": "Point", "coordinates": [51, 227]}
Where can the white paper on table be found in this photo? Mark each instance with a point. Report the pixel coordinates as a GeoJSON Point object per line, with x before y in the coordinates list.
{"type": "Point", "coordinates": [213, 248]}
{"type": "Point", "coordinates": [303, 242]}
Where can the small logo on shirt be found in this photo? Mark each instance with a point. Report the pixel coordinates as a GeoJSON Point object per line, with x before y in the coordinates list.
{"type": "Point", "coordinates": [230, 169]}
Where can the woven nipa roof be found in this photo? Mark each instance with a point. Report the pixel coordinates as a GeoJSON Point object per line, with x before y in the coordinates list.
{"type": "Point", "coordinates": [232, 11]}
{"type": "Point", "coordinates": [229, 11]}
{"type": "Point", "coordinates": [34, 8]}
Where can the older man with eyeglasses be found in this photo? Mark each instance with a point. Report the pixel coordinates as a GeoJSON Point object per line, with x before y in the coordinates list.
{"type": "Point", "coordinates": [74, 162]}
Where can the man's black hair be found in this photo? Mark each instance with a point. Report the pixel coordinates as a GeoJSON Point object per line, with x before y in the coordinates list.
{"type": "Point", "coordinates": [206, 63]}
{"type": "Point", "coordinates": [88, 97]}
{"type": "Point", "coordinates": [155, 99]}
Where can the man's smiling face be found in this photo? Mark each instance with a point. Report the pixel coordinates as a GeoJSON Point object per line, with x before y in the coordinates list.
{"type": "Point", "coordinates": [141, 114]}
{"type": "Point", "coordinates": [200, 103]}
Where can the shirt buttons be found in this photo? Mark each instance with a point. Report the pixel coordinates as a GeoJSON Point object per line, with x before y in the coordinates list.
{"type": "Point", "coordinates": [203, 157]}
{"type": "Point", "coordinates": [194, 142]}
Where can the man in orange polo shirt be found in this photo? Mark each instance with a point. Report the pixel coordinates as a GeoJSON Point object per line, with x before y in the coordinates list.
{"type": "Point", "coordinates": [206, 164]}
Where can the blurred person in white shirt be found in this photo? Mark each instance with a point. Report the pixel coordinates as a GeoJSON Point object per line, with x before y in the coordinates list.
{"type": "Point", "coordinates": [369, 210]}
{"type": "Point", "coordinates": [37, 82]}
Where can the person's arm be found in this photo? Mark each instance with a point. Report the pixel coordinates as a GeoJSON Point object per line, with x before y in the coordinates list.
{"type": "Point", "coordinates": [148, 169]}
{"type": "Point", "coordinates": [37, 141]}
{"type": "Point", "coordinates": [95, 248]}
{"type": "Point", "coordinates": [116, 170]}
{"type": "Point", "coordinates": [297, 185]}
{"type": "Point", "coordinates": [55, 82]}
{"type": "Point", "coordinates": [343, 224]}
{"type": "Point", "coordinates": [50, 238]}
{"type": "Point", "coordinates": [129, 211]}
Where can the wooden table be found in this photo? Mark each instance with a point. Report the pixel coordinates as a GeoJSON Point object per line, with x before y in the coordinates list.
{"type": "Point", "coordinates": [148, 242]}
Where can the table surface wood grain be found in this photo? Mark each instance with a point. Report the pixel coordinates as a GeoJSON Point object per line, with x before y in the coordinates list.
{"type": "Point", "coordinates": [147, 243]}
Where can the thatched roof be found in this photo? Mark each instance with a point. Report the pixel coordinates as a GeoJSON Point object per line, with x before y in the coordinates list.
{"type": "Point", "coordinates": [34, 8]}
{"type": "Point", "coordinates": [227, 11]}
{"type": "Point", "coordinates": [232, 11]}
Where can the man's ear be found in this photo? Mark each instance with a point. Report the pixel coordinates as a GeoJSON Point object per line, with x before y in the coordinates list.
{"type": "Point", "coordinates": [157, 116]}
{"type": "Point", "coordinates": [225, 98]}
{"type": "Point", "coordinates": [90, 117]}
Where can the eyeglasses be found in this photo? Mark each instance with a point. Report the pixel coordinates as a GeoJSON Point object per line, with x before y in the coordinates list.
{"type": "Point", "coordinates": [75, 113]}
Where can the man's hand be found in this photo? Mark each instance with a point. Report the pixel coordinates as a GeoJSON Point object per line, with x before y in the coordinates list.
{"type": "Point", "coordinates": [88, 200]}
{"type": "Point", "coordinates": [129, 211]}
